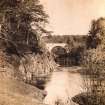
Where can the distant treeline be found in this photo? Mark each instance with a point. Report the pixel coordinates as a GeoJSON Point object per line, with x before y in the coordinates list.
{"type": "Point", "coordinates": [64, 38]}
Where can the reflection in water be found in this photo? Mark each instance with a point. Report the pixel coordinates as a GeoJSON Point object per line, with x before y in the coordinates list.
{"type": "Point", "coordinates": [63, 85]}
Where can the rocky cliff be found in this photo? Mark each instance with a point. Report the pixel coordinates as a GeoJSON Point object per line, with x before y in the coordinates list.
{"type": "Point", "coordinates": [13, 89]}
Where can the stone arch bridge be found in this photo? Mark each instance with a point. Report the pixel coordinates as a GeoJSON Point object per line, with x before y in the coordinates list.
{"type": "Point", "coordinates": [50, 46]}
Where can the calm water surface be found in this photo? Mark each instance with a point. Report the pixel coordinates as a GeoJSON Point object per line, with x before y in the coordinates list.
{"type": "Point", "coordinates": [63, 85]}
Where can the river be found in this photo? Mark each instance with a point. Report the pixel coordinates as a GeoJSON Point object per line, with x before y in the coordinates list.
{"type": "Point", "coordinates": [63, 85]}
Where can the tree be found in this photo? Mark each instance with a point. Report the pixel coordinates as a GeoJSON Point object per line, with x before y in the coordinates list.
{"type": "Point", "coordinates": [17, 18]}
{"type": "Point", "coordinates": [22, 24]}
{"type": "Point", "coordinates": [94, 34]}
{"type": "Point", "coordinates": [94, 64]}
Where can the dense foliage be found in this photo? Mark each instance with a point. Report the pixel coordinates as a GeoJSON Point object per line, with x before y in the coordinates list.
{"type": "Point", "coordinates": [18, 18]}
{"type": "Point", "coordinates": [22, 25]}
{"type": "Point", "coordinates": [94, 63]}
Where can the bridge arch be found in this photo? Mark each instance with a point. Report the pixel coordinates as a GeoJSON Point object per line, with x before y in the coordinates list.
{"type": "Point", "coordinates": [50, 46]}
{"type": "Point", "coordinates": [58, 50]}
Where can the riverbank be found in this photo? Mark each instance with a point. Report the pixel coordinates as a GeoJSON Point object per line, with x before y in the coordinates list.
{"type": "Point", "coordinates": [14, 92]}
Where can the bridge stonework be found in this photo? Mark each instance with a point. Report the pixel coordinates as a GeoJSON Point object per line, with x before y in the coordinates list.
{"type": "Point", "coordinates": [50, 46]}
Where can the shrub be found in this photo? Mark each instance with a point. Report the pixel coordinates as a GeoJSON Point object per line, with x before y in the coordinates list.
{"type": "Point", "coordinates": [94, 67]}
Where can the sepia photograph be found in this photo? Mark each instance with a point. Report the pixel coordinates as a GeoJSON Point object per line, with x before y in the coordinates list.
{"type": "Point", "coordinates": [52, 52]}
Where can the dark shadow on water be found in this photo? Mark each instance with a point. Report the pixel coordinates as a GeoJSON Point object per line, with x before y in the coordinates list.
{"type": "Point", "coordinates": [40, 84]}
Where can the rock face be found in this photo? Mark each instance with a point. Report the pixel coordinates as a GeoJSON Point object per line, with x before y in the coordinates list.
{"type": "Point", "coordinates": [87, 98]}
{"type": "Point", "coordinates": [13, 92]}
{"type": "Point", "coordinates": [80, 99]}
{"type": "Point", "coordinates": [16, 92]}
{"type": "Point", "coordinates": [36, 68]}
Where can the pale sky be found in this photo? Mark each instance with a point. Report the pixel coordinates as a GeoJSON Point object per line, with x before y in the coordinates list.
{"type": "Point", "coordinates": [73, 16]}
